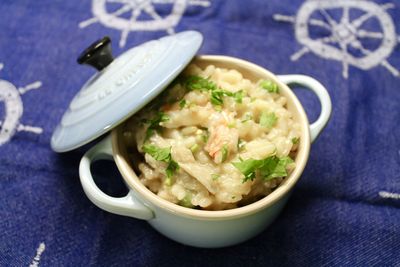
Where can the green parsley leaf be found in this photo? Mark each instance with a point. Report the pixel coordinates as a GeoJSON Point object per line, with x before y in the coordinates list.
{"type": "Point", "coordinates": [164, 155]}
{"type": "Point", "coordinates": [149, 133]}
{"type": "Point", "coordinates": [268, 120]}
{"type": "Point", "coordinates": [172, 167]}
{"type": "Point", "coordinates": [218, 94]}
{"type": "Point", "coordinates": [224, 152]}
{"type": "Point", "coordinates": [182, 103]}
{"type": "Point", "coordinates": [274, 167]}
{"type": "Point", "coordinates": [238, 96]}
{"type": "Point", "coordinates": [168, 181]}
{"type": "Point", "coordinates": [295, 140]}
{"type": "Point", "coordinates": [186, 201]}
{"type": "Point", "coordinates": [232, 124]}
{"type": "Point", "coordinates": [218, 108]}
{"type": "Point", "coordinates": [215, 176]}
{"type": "Point", "coordinates": [199, 83]}
{"type": "Point", "coordinates": [194, 148]}
{"type": "Point", "coordinates": [270, 86]}
{"type": "Point", "coordinates": [268, 168]}
{"type": "Point", "coordinates": [160, 154]}
{"type": "Point", "coordinates": [205, 136]}
{"type": "Point", "coordinates": [154, 124]}
{"type": "Point", "coordinates": [248, 168]}
{"type": "Point", "coordinates": [216, 97]}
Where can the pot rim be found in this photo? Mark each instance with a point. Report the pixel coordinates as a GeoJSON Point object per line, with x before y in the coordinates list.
{"type": "Point", "coordinates": [132, 180]}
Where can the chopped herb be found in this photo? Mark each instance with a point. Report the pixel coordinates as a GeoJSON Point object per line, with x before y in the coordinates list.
{"type": "Point", "coordinates": [182, 103]}
{"type": "Point", "coordinates": [186, 201]}
{"type": "Point", "coordinates": [232, 124]}
{"type": "Point", "coordinates": [171, 168]}
{"type": "Point", "coordinates": [270, 86]}
{"type": "Point", "coordinates": [233, 197]}
{"type": "Point", "coordinates": [268, 120]}
{"type": "Point", "coordinates": [217, 94]}
{"type": "Point", "coordinates": [215, 176]}
{"type": "Point", "coordinates": [295, 140]}
{"type": "Point", "coordinates": [216, 97]}
{"type": "Point", "coordinates": [154, 124]}
{"type": "Point", "coordinates": [224, 152]}
{"type": "Point", "coordinates": [268, 168]}
{"type": "Point", "coordinates": [194, 148]}
{"type": "Point", "coordinates": [160, 154]}
{"type": "Point", "coordinates": [168, 181]}
{"type": "Point", "coordinates": [199, 83]}
{"type": "Point", "coordinates": [164, 155]}
{"type": "Point", "coordinates": [238, 96]}
{"type": "Point", "coordinates": [248, 168]}
{"type": "Point", "coordinates": [275, 167]}
{"type": "Point", "coordinates": [204, 137]}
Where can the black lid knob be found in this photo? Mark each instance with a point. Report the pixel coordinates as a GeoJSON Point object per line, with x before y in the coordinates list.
{"type": "Point", "coordinates": [98, 54]}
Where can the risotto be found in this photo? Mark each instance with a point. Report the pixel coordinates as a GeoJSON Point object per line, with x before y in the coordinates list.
{"type": "Point", "coordinates": [215, 140]}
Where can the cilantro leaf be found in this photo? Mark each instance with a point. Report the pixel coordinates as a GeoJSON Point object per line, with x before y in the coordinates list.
{"type": "Point", "coordinates": [160, 154]}
{"type": "Point", "coordinates": [224, 152]}
{"type": "Point", "coordinates": [216, 97]}
{"type": "Point", "coordinates": [248, 168]}
{"type": "Point", "coordinates": [199, 83]}
{"type": "Point", "coordinates": [182, 103]}
{"type": "Point", "coordinates": [238, 96]}
{"type": "Point", "coordinates": [154, 124]}
{"type": "Point", "coordinates": [164, 155]}
{"type": "Point", "coordinates": [171, 168]}
{"type": "Point", "coordinates": [268, 120]}
{"type": "Point", "coordinates": [187, 201]}
{"type": "Point", "coordinates": [268, 168]}
{"type": "Point", "coordinates": [295, 140]}
{"type": "Point", "coordinates": [205, 136]}
{"type": "Point", "coordinates": [194, 148]}
{"type": "Point", "coordinates": [270, 86]}
{"type": "Point", "coordinates": [275, 167]}
{"type": "Point", "coordinates": [215, 176]}
{"type": "Point", "coordinates": [202, 84]}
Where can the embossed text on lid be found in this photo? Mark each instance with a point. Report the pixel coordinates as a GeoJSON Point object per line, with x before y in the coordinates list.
{"type": "Point", "coordinates": [123, 87]}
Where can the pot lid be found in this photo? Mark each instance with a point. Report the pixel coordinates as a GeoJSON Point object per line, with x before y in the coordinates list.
{"type": "Point", "coordinates": [122, 86]}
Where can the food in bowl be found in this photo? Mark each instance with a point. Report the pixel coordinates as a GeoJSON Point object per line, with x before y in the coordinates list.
{"type": "Point", "coordinates": [215, 140]}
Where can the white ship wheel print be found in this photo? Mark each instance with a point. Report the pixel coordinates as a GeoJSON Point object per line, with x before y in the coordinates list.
{"type": "Point", "coordinates": [11, 96]}
{"type": "Point", "coordinates": [347, 37]}
{"type": "Point", "coordinates": [137, 11]}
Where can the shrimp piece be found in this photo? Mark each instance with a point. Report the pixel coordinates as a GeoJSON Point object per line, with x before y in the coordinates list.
{"type": "Point", "coordinates": [223, 140]}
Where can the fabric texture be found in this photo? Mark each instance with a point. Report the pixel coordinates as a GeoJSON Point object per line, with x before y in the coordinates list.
{"type": "Point", "coordinates": [343, 212]}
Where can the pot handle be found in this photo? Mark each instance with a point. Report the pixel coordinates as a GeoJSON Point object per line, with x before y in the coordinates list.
{"type": "Point", "coordinates": [322, 94]}
{"type": "Point", "coordinates": [127, 206]}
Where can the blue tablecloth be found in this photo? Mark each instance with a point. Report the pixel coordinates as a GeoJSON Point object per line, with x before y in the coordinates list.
{"type": "Point", "coordinates": [343, 212]}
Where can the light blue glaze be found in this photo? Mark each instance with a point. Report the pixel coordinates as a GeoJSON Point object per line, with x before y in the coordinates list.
{"type": "Point", "coordinates": [126, 85]}
{"type": "Point", "coordinates": [201, 228]}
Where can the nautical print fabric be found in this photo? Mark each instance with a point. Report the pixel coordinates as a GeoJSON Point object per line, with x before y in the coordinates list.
{"type": "Point", "coordinates": [343, 212]}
